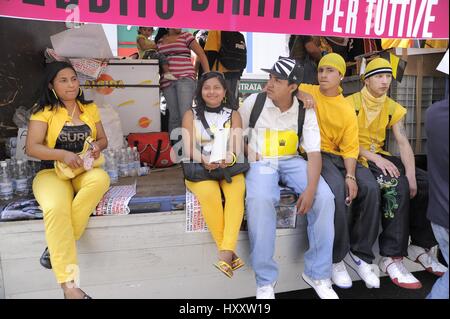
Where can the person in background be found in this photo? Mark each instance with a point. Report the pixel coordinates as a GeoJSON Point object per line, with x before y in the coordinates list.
{"type": "Point", "coordinates": [212, 49]}
{"type": "Point", "coordinates": [176, 46]}
{"type": "Point", "coordinates": [437, 128]}
{"type": "Point", "coordinates": [200, 36]}
{"type": "Point", "coordinates": [274, 142]}
{"type": "Point", "coordinates": [58, 128]}
{"type": "Point", "coordinates": [214, 106]}
{"type": "Point", "coordinates": [306, 51]}
{"type": "Point", "coordinates": [356, 219]}
{"type": "Point", "coordinates": [147, 50]}
{"type": "Point", "coordinates": [403, 187]}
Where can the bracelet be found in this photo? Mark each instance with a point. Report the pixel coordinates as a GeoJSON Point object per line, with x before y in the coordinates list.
{"type": "Point", "coordinates": [353, 178]}
{"type": "Point", "coordinates": [234, 159]}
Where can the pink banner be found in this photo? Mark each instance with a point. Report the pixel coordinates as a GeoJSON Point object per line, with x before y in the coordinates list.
{"type": "Point", "coordinates": [344, 18]}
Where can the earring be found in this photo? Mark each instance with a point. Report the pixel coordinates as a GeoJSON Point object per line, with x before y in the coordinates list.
{"type": "Point", "coordinates": [81, 92]}
{"type": "Point", "coordinates": [54, 93]}
{"type": "Point", "coordinates": [224, 101]}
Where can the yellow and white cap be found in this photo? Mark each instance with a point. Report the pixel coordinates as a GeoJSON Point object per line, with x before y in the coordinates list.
{"type": "Point", "coordinates": [377, 66]}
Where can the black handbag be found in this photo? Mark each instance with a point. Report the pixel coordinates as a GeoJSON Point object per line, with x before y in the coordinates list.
{"type": "Point", "coordinates": [196, 172]}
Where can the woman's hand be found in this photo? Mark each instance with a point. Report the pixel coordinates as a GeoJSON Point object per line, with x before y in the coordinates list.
{"type": "Point", "coordinates": [72, 160]}
{"type": "Point", "coordinates": [95, 151]}
{"type": "Point", "coordinates": [207, 165]}
{"type": "Point", "coordinates": [211, 166]}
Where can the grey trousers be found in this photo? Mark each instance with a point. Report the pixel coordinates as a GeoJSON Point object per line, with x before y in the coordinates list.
{"type": "Point", "coordinates": [179, 96]}
{"type": "Point", "coordinates": [356, 227]}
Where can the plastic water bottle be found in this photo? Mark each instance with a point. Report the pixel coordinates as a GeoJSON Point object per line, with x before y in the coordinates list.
{"type": "Point", "coordinates": [123, 163]}
{"type": "Point", "coordinates": [144, 170]}
{"type": "Point", "coordinates": [136, 159]}
{"type": "Point", "coordinates": [131, 168]}
{"type": "Point", "coordinates": [21, 178]}
{"type": "Point", "coordinates": [30, 173]}
{"type": "Point", "coordinates": [112, 168]}
{"type": "Point", "coordinates": [6, 185]}
{"type": "Point", "coordinates": [11, 166]}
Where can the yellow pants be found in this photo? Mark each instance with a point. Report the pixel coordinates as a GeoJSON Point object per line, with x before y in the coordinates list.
{"type": "Point", "coordinates": [223, 222]}
{"type": "Point", "coordinates": [67, 206]}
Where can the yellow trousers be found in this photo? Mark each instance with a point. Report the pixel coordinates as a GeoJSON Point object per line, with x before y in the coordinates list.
{"type": "Point", "coordinates": [223, 222]}
{"type": "Point", "coordinates": [67, 206]}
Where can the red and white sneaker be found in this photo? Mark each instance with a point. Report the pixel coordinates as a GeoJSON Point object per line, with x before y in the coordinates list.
{"type": "Point", "coordinates": [400, 276]}
{"type": "Point", "coordinates": [426, 259]}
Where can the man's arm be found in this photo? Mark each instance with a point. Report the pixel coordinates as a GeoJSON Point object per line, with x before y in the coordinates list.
{"type": "Point", "coordinates": [406, 155]}
{"type": "Point", "coordinates": [314, 168]}
{"type": "Point", "coordinates": [386, 166]}
{"type": "Point", "coordinates": [350, 179]}
{"type": "Point", "coordinates": [311, 144]}
{"type": "Point", "coordinates": [245, 111]}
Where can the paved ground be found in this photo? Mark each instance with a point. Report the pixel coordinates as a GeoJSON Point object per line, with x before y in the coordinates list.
{"type": "Point", "coordinates": [359, 291]}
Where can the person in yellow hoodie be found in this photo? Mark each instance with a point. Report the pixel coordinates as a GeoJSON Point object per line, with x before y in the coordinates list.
{"type": "Point", "coordinates": [403, 187]}
{"type": "Point", "coordinates": [356, 227]}
{"type": "Point", "coordinates": [61, 123]}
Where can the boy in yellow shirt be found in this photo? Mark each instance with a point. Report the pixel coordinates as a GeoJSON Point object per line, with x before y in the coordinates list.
{"type": "Point", "coordinates": [350, 182]}
{"type": "Point", "coordinates": [403, 204]}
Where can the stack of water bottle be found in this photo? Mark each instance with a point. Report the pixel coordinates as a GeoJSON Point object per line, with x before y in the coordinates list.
{"type": "Point", "coordinates": [124, 162]}
{"type": "Point", "coordinates": [16, 177]}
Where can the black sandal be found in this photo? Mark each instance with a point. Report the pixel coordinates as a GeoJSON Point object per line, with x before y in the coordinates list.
{"type": "Point", "coordinates": [45, 259]}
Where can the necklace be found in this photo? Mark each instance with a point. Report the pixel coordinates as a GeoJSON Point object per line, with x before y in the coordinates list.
{"type": "Point", "coordinates": [71, 123]}
{"type": "Point", "coordinates": [373, 140]}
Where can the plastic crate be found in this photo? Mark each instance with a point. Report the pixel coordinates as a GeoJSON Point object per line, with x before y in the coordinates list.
{"type": "Point", "coordinates": [433, 90]}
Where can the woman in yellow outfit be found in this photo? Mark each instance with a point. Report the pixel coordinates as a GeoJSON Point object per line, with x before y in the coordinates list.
{"type": "Point", "coordinates": [214, 107]}
{"type": "Point", "coordinates": [61, 122]}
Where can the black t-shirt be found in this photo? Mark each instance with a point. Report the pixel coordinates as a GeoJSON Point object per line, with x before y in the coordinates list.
{"type": "Point", "coordinates": [71, 138]}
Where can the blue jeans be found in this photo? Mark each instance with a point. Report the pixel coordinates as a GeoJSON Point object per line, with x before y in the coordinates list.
{"type": "Point", "coordinates": [179, 96]}
{"type": "Point", "coordinates": [263, 193]}
{"type": "Point", "coordinates": [440, 287]}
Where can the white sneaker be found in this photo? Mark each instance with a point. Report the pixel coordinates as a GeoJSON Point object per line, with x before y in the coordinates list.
{"type": "Point", "coordinates": [265, 292]}
{"type": "Point", "coordinates": [322, 287]}
{"type": "Point", "coordinates": [367, 272]}
{"type": "Point", "coordinates": [400, 276]}
{"type": "Point", "coordinates": [169, 76]}
{"type": "Point", "coordinates": [426, 259]}
{"type": "Point", "coordinates": [340, 276]}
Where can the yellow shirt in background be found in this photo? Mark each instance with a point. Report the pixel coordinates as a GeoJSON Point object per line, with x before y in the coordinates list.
{"type": "Point", "coordinates": [436, 44]}
{"type": "Point", "coordinates": [395, 43]}
{"type": "Point", "coordinates": [337, 122]}
{"type": "Point", "coordinates": [376, 132]}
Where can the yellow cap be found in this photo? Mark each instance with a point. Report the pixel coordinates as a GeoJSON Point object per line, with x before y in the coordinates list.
{"type": "Point", "coordinates": [376, 66]}
{"type": "Point", "coordinates": [334, 60]}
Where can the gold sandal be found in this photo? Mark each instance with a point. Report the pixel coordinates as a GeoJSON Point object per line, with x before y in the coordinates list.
{"type": "Point", "coordinates": [225, 268]}
{"type": "Point", "coordinates": [237, 263]}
